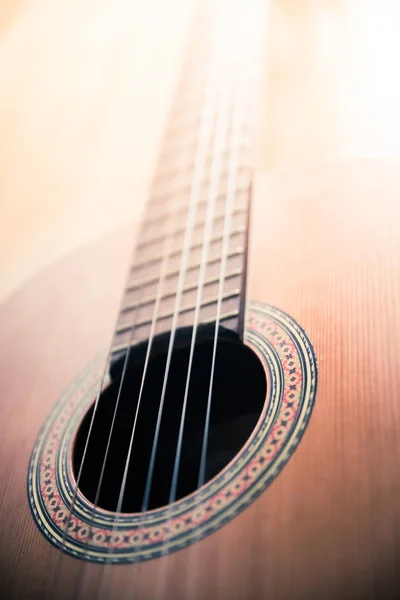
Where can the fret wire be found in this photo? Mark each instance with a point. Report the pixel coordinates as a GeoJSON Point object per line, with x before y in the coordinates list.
{"type": "Point", "coordinates": [168, 173]}
{"type": "Point", "coordinates": [147, 240]}
{"type": "Point", "coordinates": [182, 208]}
{"type": "Point", "coordinates": [158, 197]}
{"type": "Point", "coordinates": [150, 299]}
{"type": "Point", "coordinates": [168, 315]}
{"type": "Point", "coordinates": [166, 170]}
{"type": "Point", "coordinates": [230, 315]}
{"type": "Point", "coordinates": [200, 224]}
{"type": "Point", "coordinates": [177, 252]}
{"type": "Point", "coordinates": [175, 272]}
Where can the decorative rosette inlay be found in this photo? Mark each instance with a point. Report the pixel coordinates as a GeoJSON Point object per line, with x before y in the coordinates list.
{"type": "Point", "coordinates": [289, 361]}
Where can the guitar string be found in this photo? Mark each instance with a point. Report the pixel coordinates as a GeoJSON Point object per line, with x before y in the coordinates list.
{"type": "Point", "coordinates": [161, 575]}
{"type": "Point", "coordinates": [162, 276]}
{"type": "Point", "coordinates": [125, 363]}
{"type": "Point", "coordinates": [215, 181]}
{"type": "Point", "coordinates": [262, 12]}
{"type": "Point", "coordinates": [110, 551]}
{"type": "Point", "coordinates": [215, 178]}
{"type": "Point", "coordinates": [163, 272]}
{"type": "Point", "coordinates": [231, 192]}
{"type": "Point", "coordinates": [231, 189]}
{"type": "Point", "coordinates": [169, 237]}
{"type": "Point", "coordinates": [213, 190]}
{"type": "Point", "coordinates": [234, 162]}
{"type": "Point", "coordinates": [165, 254]}
{"type": "Point", "coordinates": [159, 293]}
{"type": "Point", "coordinates": [194, 198]}
{"type": "Point", "coordinates": [226, 237]}
{"type": "Point", "coordinates": [91, 425]}
{"type": "Point", "coordinates": [60, 555]}
{"type": "Point", "coordinates": [200, 162]}
{"type": "Point", "coordinates": [97, 494]}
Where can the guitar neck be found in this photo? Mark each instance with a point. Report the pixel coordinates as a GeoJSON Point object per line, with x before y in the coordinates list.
{"type": "Point", "coordinates": [191, 257]}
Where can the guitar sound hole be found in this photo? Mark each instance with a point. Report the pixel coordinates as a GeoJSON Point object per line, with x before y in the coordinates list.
{"type": "Point", "coordinates": [238, 397]}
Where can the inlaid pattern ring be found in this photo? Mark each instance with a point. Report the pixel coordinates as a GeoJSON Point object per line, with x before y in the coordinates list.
{"type": "Point", "coordinates": [94, 534]}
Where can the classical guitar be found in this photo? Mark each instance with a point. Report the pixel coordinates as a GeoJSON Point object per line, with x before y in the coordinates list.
{"type": "Point", "coordinates": [198, 441]}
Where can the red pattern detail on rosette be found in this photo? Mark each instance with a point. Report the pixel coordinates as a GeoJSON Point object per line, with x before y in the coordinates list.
{"type": "Point", "coordinates": [201, 513]}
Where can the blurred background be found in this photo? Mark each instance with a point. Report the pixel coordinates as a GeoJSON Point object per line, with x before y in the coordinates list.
{"type": "Point", "coordinates": [85, 87]}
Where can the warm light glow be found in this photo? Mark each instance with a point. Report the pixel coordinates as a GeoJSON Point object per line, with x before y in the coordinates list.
{"type": "Point", "coordinates": [236, 24]}
{"type": "Point", "coordinates": [85, 87]}
{"type": "Point", "coordinates": [372, 93]}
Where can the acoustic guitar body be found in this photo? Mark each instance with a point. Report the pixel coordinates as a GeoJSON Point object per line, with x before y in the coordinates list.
{"type": "Point", "coordinates": [324, 254]}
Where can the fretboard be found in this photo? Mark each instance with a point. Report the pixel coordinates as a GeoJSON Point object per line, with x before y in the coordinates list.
{"type": "Point", "coordinates": [190, 259]}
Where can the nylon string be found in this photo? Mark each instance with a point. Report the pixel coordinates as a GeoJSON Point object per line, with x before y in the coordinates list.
{"type": "Point", "coordinates": [200, 161]}
{"type": "Point", "coordinates": [234, 156]}
{"type": "Point", "coordinates": [60, 555]}
{"type": "Point", "coordinates": [201, 157]}
{"type": "Point", "coordinates": [160, 592]}
{"type": "Point", "coordinates": [165, 253]}
{"type": "Point", "coordinates": [230, 199]}
{"type": "Point", "coordinates": [215, 180]}
{"type": "Point", "coordinates": [164, 265]}
{"type": "Point", "coordinates": [213, 194]}
{"type": "Point", "coordinates": [216, 171]}
{"type": "Point", "coordinates": [233, 171]}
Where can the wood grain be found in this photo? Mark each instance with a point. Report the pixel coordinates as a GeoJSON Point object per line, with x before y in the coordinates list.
{"type": "Point", "coordinates": [325, 248]}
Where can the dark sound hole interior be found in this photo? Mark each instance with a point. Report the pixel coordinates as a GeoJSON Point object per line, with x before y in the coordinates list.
{"type": "Point", "coordinates": [238, 397]}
